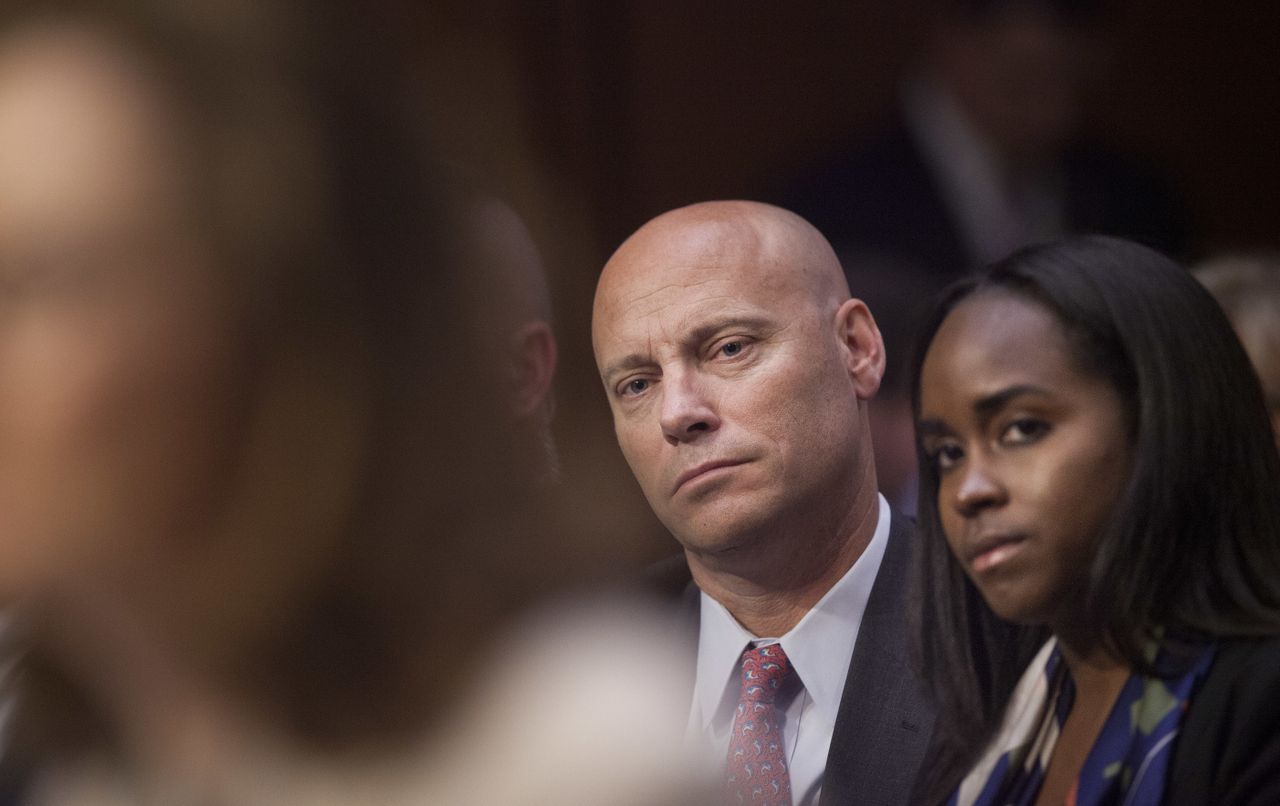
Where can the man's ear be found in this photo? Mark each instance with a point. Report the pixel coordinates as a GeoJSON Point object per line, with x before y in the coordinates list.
{"type": "Point", "coordinates": [533, 365]}
{"type": "Point", "coordinates": [862, 346]}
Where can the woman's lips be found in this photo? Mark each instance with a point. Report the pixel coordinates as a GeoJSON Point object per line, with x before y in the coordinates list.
{"type": "Point", "coordinates": [990, 552]}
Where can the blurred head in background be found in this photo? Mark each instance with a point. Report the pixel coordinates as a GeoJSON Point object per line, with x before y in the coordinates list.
{"type": "Point", "coordinates": [254, 419]}
{"type": "Point", "coordinates": [1017, 68]}
{"type": "Point", "coordinates": [519, 301]}
{"type": "Point", "coordinates": [1247, 286]}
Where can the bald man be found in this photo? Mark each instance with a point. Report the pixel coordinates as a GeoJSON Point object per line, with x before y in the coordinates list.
{"type": "Point", "coordinates": [739, 371]}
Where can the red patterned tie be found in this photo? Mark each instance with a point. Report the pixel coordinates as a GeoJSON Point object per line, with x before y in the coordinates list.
{"type": "Point", "coordinates": [757, 768]}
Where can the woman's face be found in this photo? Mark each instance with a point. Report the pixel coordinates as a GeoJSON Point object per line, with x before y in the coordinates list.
{"type": "Point", "coordinates": [1031, 454]}
{"type": "Point", "coordinates": [114, 343]}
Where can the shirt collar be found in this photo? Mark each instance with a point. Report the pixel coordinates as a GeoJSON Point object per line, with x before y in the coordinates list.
{"type": "Point", "coordinates": [819, 647]}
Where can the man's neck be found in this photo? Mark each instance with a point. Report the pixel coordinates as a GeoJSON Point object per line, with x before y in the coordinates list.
{"type": "Point", "coordinates": [769, 592]}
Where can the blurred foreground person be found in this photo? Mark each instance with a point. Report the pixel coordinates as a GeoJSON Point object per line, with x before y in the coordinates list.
{"type": "Point", "coordinates": [260, 519]}
{"type": "Point", "coordinates": [739, 373]}
{"type": "Point", "coordinates": [1248, 289]}
{"type": "Point", "coordinates": [1101, 546]}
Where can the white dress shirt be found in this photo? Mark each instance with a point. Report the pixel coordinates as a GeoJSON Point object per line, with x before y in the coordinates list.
{"type": "Point", "coordinates": [819, 649]}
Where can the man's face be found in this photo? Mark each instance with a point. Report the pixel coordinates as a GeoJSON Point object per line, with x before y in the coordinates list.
{"type": "Point", "coordinates": [730, 388]}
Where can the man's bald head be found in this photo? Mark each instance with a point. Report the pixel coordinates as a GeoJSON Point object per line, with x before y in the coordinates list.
{"type": "Point", "coordinates": [738, 370]}
{"type": "Point", "coordinates": [762, 243]}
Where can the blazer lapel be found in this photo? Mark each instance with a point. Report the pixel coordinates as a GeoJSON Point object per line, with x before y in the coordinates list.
{"type": "Point", "coordinates": [884, 722]}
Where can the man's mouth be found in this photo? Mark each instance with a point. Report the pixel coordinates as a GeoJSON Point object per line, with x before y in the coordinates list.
{"type": "Point", "coordinates": [703, 469]}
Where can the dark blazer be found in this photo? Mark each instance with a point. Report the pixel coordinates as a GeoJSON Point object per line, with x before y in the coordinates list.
{"type": "Point", "coordinates": [1228, 749]}
{"type": "Point", "coordinates": [884, 723]}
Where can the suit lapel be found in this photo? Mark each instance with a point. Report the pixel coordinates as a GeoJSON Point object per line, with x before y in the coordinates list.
{"type": "Point", "coordinates": [884, 723]}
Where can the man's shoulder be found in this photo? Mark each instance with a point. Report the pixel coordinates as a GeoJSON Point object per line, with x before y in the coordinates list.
{"type": "Point", "coordinates": [669, 583]}
{"type": "Point", "coordinates": [885, 722]}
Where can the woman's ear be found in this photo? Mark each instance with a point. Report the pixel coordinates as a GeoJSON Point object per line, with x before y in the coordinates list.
{"type": "Point", "coordinates": [533, 365]}
{"type": "Point", "coordinates": [862, 345]}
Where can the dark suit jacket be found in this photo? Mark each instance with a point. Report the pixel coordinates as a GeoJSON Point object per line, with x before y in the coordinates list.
{"type": "Point", "coordinates": [884, 723]}
{"type": "Point", "coordinates": [1228, 749]}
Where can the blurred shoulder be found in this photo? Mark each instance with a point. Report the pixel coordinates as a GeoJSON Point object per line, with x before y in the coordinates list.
{"type": "Point", "coordinates": [668, 579]}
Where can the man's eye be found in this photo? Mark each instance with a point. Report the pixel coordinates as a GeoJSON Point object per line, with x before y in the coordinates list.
{"type": "Point", "coordinates": [1024, 430]}
{"type": "Point", "coordinates": [730, 349]}
{"type": "Point", "coordinates": [635, 386]}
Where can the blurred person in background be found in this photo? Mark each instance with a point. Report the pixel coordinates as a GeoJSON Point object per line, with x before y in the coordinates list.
{"type": "Point", "coordinates": [985, 153]}
{"type": "Point", "coordinates": [507, 256]}
{"type": "Point", "coordinates": [260, 510]}
{"type": "Point", "coordinates": [1247, 286]}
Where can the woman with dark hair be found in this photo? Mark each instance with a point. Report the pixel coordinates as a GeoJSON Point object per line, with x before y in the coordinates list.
{"type": "Point", "coordinates": [1100, 557]}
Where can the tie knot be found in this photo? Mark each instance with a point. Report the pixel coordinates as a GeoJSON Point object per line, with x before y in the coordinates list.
{"type": "Point", "coordinates": [763, 670]}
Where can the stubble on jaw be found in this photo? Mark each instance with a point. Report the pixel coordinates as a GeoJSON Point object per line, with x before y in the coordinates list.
{"type": "Point", "coordinates": [768, 581]}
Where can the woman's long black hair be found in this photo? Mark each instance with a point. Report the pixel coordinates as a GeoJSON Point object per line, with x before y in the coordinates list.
{"type": "Point", "coordinates": [1192, 551]}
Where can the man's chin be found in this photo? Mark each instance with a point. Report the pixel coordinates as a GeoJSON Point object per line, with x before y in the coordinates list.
{"type": "Point", "coordinates": [722, 544]}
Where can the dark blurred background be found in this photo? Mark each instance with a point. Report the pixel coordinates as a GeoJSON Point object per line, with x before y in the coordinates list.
{"type": "Point", "coordinates": [591, 117]}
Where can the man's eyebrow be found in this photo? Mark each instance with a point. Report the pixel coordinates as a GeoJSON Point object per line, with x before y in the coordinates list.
{"type": "Point", "coordinates": [627, 362]}
{"type": "Point", "coordinates": [752, 323]}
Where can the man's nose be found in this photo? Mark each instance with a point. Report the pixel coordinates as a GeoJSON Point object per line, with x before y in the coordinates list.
{"type": "Point", "coordinates": [979, 487]}
{"type": "Point", "coordinates": [688, 412]}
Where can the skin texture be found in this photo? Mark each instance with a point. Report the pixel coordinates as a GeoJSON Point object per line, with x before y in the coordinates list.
{"type": "Point", "coordinates": [738, 371]}
{"type": "Point", "coordinates": [1028, 448]}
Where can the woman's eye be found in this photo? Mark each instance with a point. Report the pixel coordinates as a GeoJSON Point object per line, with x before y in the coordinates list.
{"type": "Point", "coordinates": [1025, 429]}
{"type": "Point", "coordinates": [946, 456]}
